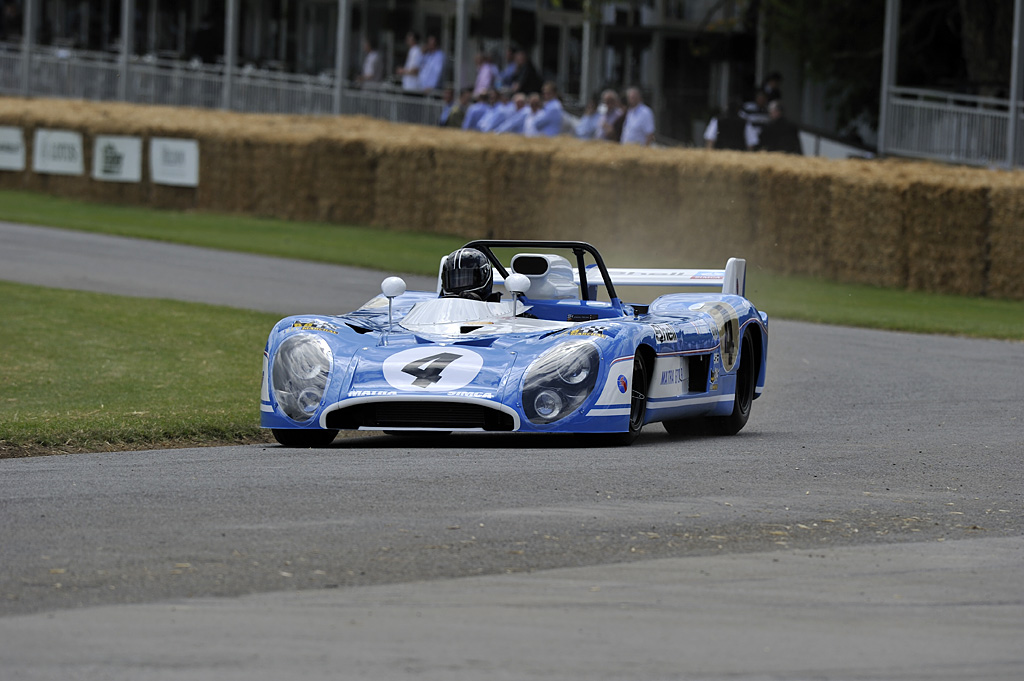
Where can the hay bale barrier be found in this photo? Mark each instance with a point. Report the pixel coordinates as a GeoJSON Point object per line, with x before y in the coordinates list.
{"type": "Point", "coordinates": [921, 226]}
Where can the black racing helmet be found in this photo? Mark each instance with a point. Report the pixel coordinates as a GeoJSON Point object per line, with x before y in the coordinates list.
{"type": "Point", "coordinates": [466, 273]}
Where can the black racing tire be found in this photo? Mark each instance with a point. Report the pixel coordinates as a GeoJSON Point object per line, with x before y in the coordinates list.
{"type": "Point", "coordinates": [746, 381]}
{"type": "Point", "coordinates": [314, 438]}
{"type": "Point", "coordinates": [637, 404]}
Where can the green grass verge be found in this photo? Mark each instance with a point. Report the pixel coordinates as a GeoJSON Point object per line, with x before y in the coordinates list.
{"type": "Point", "coordinates": [85, 371]}
{"type": "Point", "coordinates": [340, 244]}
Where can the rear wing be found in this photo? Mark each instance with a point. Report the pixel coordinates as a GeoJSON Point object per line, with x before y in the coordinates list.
{"type": "Point", "coordinates": [732, 280]}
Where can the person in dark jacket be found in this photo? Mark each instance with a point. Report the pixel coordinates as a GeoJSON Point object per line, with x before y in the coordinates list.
{"type": "Point", "coordinates": [780, 134]}
{"type": "Point", "coordinates": [727, 131]}
{"type": "Point", "coordinates": [526, 79]}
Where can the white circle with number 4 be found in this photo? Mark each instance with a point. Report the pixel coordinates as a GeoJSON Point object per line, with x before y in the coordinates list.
{"type": "Point", "coordinates": [432, 369]}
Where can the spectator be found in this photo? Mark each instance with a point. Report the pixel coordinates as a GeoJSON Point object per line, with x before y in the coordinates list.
{"type": "Point", "coordinates": [549, 120]}
{"type": "Point", "coordinates": [505, 77]}
{"type": "Point", "coordinates": [727, 131]}
{"type": "Point", "coordinates": [448, 99]}
{"type": "Point", "coordinates": [486, 74]}
{"type": "Point", "coordinates": [535, 109]}
{"type": "Point", "coordinates": [431, 66]}
{"type": "Point", "coordinates": [755, 113]}
{"type": "Point", "coordinates": [413, 58]}
{"type": "Point", "coordinates": [771, 86]}
{"type": "Point", "coordinates": [638, 126]}
{"type": "Point", "coordinates": [587, 126]}
{"type": "Point", "coordinates": [516, 121]}
{"type": "Point", "coordinates": [373, 67]}
{"type": "Point", "coordinates": [477, 110]}
{"type": "Point", "coordinates": [498, 114]}
{"type": "Point", "coordinates": [457, 115]}
{"type": "Point", "coordinates": [612, 117]}
{"type": "Point", "coordinates": [526, 79]}
{"type": "Point", "coordinates": [780, 134]}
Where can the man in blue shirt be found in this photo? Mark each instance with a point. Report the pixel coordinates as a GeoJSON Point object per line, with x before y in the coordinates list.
{"type": "Point", "coordinates": [517, 120]}
{"type": "Point", "coordinates": [431, 65]}
{"type": "Point", "coordinates": [496, 115]}
{"type": "Point", "coordinates": [548, 120]}
{"type": "Point", "coordinates": [478, 109]}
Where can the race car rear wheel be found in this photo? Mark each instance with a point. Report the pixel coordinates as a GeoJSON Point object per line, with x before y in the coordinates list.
{"type": "Point", "coordinates": [304, 438]}
{"type": "Point", "coordinates": [746, 380]}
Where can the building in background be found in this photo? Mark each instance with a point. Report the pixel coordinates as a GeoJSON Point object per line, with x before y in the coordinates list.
{"type": "Point", "coordinates": [688, 56]}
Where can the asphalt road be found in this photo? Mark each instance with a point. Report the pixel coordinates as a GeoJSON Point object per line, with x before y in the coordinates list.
{"type": "Point", "coordinates": [867, 524]}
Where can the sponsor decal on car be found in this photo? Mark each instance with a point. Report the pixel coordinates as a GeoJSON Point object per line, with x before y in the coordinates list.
{"type": "Point", "coordinates": [673, 376]}
{"type": "Point", "coordinates": [664, 333]}
{"type": "Point", "coordinates": [314, 325]}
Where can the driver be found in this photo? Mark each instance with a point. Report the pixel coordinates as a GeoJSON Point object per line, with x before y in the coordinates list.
{"type": "Point", "coordinates": [467, 273]}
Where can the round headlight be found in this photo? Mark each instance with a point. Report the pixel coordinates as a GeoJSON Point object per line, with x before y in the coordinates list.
{"type": "Point", "coordinates": [560, 380]}
{"type": "Point", "coordinates": [576, 369]}
{"type": "Point", "coordinates": [301, 369]}
{"type": "Point", "coordinates": [547, 404]}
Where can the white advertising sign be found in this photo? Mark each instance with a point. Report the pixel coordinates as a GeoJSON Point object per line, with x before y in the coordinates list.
{"type": "Point", "coordinates": [58, 152]}
{"type": "Point", "coordinates": [12, 149]}
{"type": "Point", "coordinates": [117, 159]}
{"type": "Point", "coordinates": [174, 161]}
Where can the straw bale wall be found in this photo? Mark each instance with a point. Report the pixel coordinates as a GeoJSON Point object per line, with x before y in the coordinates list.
{"type": "Point", "coordinates": [899, 224]}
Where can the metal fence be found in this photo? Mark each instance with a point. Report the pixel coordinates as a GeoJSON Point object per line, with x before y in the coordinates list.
{"type": "Point", "coordinates": [60, 73]}
{"type": "Point", "coordinates": [952, 128]}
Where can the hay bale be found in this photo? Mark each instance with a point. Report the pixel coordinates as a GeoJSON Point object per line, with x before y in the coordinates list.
{"type": "Point", "coordinates": [867, 244]}
{"type": "Point", "coordinates": [946, 230]}
{"type": "Point", "coordinates": [895, 223]}
{"type": "Point", "coordinates": [793, 231]}
{"type": "Point", "coordinates": [1006, 238]}
{"type": "Point", "coordinates": [519, 181]}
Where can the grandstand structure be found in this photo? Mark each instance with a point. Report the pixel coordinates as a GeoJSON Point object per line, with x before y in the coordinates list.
{"type": "Point", "coordinates": [300, 56]}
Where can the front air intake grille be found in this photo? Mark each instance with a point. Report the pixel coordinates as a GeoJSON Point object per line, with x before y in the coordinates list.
{"type": "Point", "coordinates": [420, 415]}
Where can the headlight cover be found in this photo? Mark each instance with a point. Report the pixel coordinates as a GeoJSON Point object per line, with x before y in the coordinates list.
{"type": "Point", "coordinates": [560, 380]}
{"type": "Point", "coordinates": [302, 366]}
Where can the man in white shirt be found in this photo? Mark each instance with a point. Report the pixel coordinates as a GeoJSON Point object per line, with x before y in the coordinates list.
{"type": "Point", "coordinates": [373, 68]}
{"type": "Point", "coordinates": [638, 127]}
{"type": "Point", "coordinates": [411, 71]}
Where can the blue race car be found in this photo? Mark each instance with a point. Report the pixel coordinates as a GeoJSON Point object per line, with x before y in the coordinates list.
{"type": "Point", "coordinates": [549, 356]}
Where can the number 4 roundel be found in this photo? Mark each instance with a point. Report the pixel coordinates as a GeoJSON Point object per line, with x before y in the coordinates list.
{"type": "Point", "coordinates": [432, 369]}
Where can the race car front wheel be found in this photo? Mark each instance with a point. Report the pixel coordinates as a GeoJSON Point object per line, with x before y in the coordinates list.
{"type": "Point", "coordinates": [311, 438]}
{"type": "Point", "coordinates": [637, 403]}
{"type": "Point", "coordinates": [637, 411]}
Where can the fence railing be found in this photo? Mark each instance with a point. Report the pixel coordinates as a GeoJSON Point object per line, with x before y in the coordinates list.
{"type": "Point", "coordinates": [96, 76]}
{"type": "Point", "coordinates": [952, 128]}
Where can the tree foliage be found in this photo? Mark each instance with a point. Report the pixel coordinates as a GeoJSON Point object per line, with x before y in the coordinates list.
{"type": "Point", "coordinates": [963, 45]}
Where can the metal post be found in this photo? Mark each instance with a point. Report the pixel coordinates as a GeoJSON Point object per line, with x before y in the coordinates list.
{"type": "Point", "coordinates": [588, 44]}
{"type": "Point", "coordinates": [28, 31]}
{"type": "Point", "coordinates": [460, 44]}
{"type": "Point", "coordinates": [890, 53]}
{"type": "Point", "coordinates": [230, 50]}
{"type": "Point", "coordinates": [1014, 112]}
{"type": "Point", "coordinates": [341, 53]}
{"type": "Point", "coordinates": [127, 42]}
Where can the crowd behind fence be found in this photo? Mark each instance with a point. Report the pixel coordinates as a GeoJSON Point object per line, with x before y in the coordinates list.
{"type": "Point", "coordinates": [923, 124]}
{"type": "Point", "coordinates": [96, 76]}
